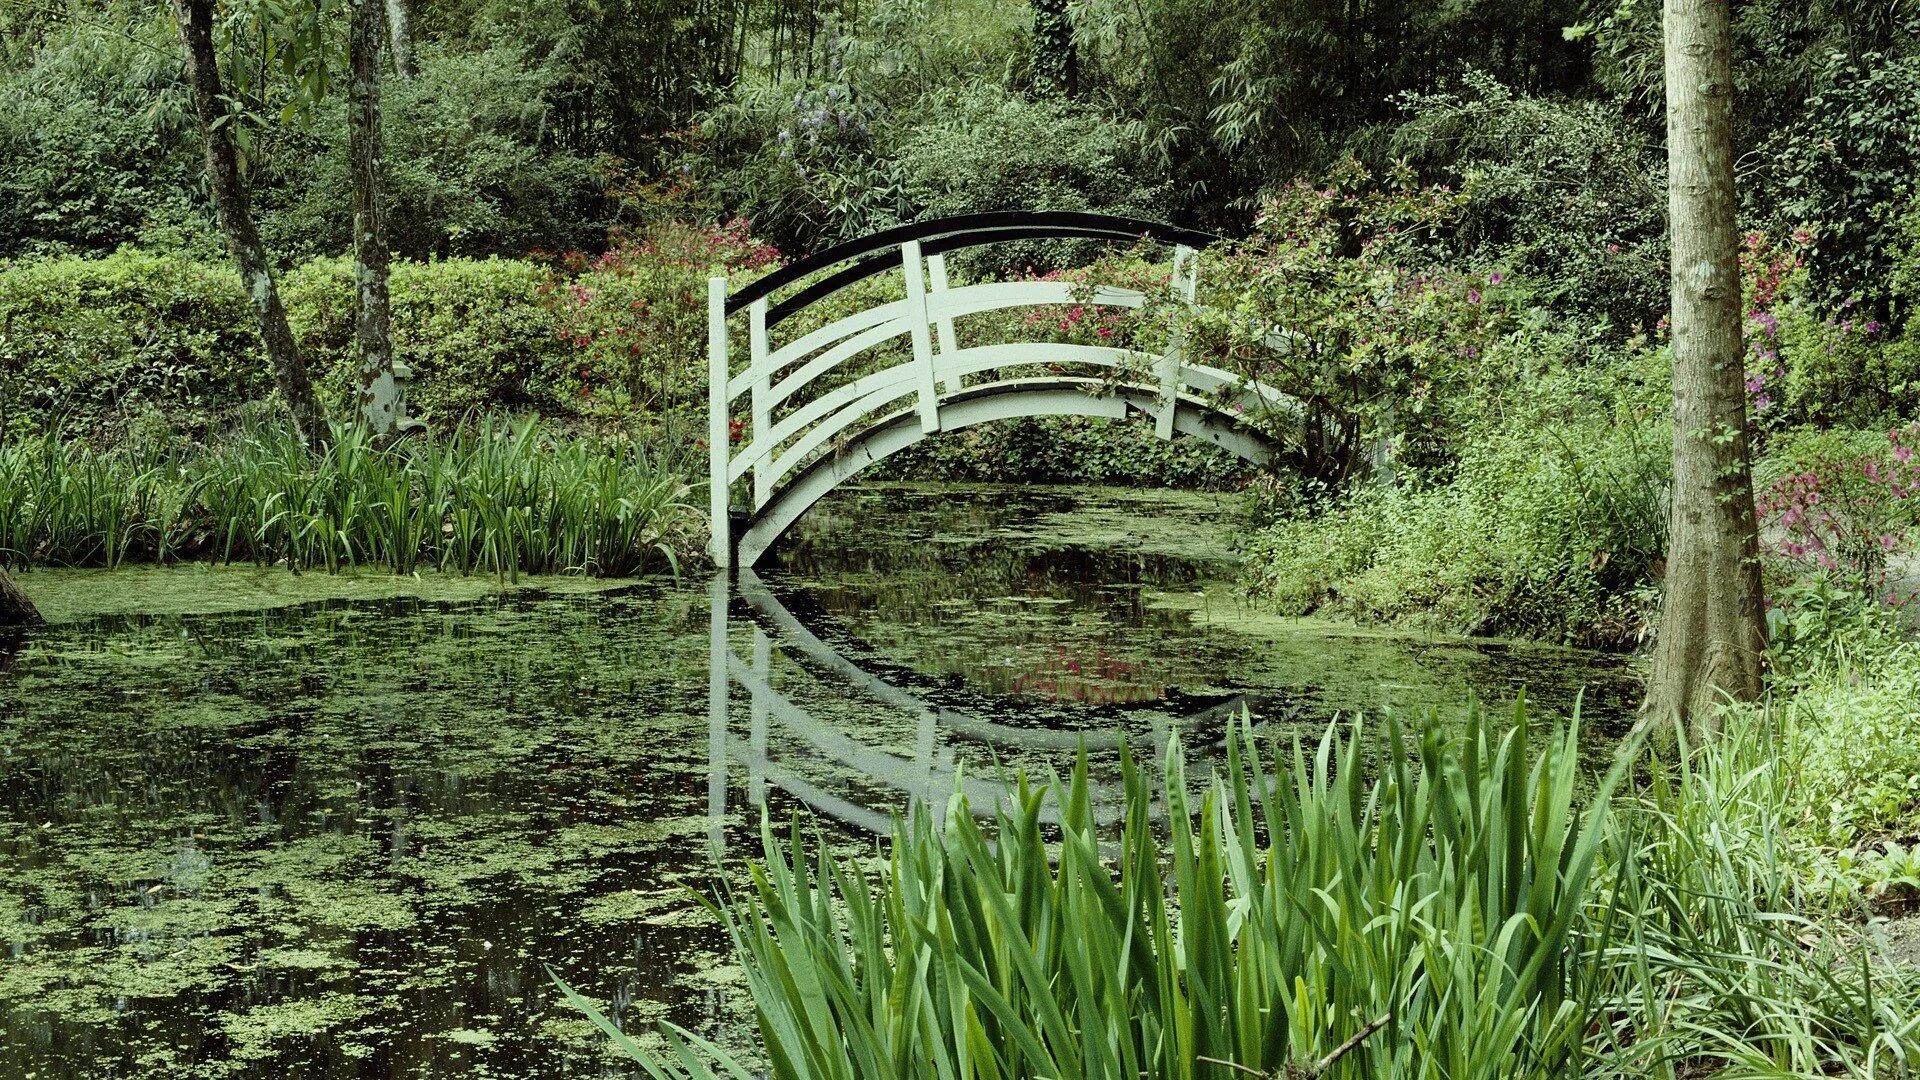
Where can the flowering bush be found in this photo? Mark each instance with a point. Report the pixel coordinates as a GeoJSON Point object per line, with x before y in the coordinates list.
{"type": "Point", "coordinates": [1844, 514]}
{"type": "Point", "coordinates": [637, 315]}
{"type": "Point", "coordinates": [1809, 364]}
{"type": "Point", "coordinates": [1384, 342]}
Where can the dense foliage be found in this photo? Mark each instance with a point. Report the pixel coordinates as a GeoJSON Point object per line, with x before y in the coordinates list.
{"type": "Point", "coordinates": [1438, 906]}
{"type": "Point", "coordinates": [495, 499]}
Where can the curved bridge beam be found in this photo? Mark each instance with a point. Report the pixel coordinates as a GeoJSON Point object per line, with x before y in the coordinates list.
{"type": "Point", "coordinates": [981, 404]}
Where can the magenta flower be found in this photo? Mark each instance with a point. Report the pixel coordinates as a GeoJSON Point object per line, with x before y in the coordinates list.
{"type": "Point", "coordinates": [1473, 296]}
{"type": "Point", "coordinates": [1496, 278]}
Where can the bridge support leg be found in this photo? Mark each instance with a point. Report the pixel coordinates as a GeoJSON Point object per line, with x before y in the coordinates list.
{"type": "Point", "coordinates": [719, 438]}
{"type": "Point", "coordinates": [718, 682]}
{"type": "Point", "coordinates": [1184, 287]}
{"type": "Point", "coordinates": [916, 275]}
{"type": "Point", "coordinates": [949, 341]}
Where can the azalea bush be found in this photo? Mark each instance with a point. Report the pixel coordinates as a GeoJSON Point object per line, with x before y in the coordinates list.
{"type": "Point", "coordinates": [636, 315]}
{"type": "Point", "coordinates": [1811, 362]}
{"type": "Point", "coordinates": [1844, 511]}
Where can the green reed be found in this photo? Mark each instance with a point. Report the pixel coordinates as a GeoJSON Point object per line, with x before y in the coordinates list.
{"type": "Point", "coordinates": [491, 497]}
{"type": "Point", "coordinates": [1383, 907]}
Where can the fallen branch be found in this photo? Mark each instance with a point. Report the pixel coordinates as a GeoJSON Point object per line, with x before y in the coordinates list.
{"type": "Point", "coordinates": [1315, 1070]}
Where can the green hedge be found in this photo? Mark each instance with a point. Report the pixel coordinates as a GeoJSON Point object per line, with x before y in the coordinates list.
{"type": "Point", "coordinates": [478, 333]}
{"type": "Point", "coordinates": [93, 344]}
{"type": "Point", "coordinates": [85, 343]}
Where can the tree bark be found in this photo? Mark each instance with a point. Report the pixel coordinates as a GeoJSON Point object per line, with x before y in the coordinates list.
{"type": "Point", "coordinates": [15, 609]}
{"type": "Point", "coordinates": [230, 202]}
{"type": "Point", "coordinates": [1712, 637]}
{"type": "Point", "coordinates": [400, 34]}
{"type": "Point", "coordinates": [378, 393]}
{"type": "Point", "coordinates": [1056, 62]}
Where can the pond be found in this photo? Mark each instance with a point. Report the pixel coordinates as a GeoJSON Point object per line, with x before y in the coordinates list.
{"type": "Point", "coordinates": [253, 824]}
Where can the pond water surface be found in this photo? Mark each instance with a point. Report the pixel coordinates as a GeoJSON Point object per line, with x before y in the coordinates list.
{"type": "Point", "coordinates": [253, 825]}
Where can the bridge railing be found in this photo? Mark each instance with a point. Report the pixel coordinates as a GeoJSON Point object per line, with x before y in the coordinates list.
{"type": "Point", "coordinates": [784, 427]}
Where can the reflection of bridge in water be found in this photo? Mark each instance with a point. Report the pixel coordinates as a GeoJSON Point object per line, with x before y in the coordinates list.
{"type": "Point", "coordinates": [777, 717]}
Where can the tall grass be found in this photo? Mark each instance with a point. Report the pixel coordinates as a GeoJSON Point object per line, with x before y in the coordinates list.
{"type": "Point", "coordinates": [1433, 907]}
{"type": "Point", "coordinates": [493, 498]}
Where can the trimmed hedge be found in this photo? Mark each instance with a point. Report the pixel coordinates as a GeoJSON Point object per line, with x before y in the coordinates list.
{"type": "Point", "coordinates": [90, 345]}
{"type": "Point", "coordinates": [478, 333]}
{"type": "Point", "coordinates": [86, 343]}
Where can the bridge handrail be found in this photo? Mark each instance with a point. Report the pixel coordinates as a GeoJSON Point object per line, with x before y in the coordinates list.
{"type": "Point", "coordinates": [944, 304]}
{"type": "Point", "coordinates": [950, 234]}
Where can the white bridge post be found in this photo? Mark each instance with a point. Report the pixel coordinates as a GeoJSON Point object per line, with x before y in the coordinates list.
{"type": "Point", "coordinates": [949, 343]}
{"type": "Point", "coordinates": [719, 446]}
{"type": "Point", "coordinates": [1184, 286]}
{"type": "Point", "coordinates": [917, 318]}
{"type": "Point", "coordinates": [762, 398]}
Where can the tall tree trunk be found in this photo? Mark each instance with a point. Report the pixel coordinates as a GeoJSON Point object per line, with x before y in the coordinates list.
{"type": "Point", "coordinates": [379, 394]}
{"type": "Point", "coordinates": [400, 33]}
{"type": "Point", "coordinates": [1056, 63]}
{"type": "Point", "coordinates": [15, 608]}
{"type": "Point", "coordinates": [230, 202]}
{"type": "Point", "coordinates": [1713, 633]}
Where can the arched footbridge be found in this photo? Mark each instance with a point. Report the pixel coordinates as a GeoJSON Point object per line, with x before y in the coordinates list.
{"type": "Point", "coordinates": [807, 425]}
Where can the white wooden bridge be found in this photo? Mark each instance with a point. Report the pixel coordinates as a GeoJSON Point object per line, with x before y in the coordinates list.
{"type": "Point", "coordinates": [804, 429]}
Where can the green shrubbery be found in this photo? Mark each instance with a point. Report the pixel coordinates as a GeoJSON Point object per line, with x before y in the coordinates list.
{"type": "Point", "coordinates": [1443, 906]}
{"type": "Point", "coordinates": [92, 344]}
{"type": "Point", "coordinates": [490, 498]}
{"type": "Point", "coordinates": [88, 343]}
{"type": "Point", "coordinates": [1548, 532]}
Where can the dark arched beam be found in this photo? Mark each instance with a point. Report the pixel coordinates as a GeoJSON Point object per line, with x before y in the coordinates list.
{"type": "Point", "coordinates": [951, 234]}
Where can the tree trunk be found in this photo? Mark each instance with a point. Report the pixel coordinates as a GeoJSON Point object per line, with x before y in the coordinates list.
{"type": "Point", "coordinates": [1056, 62]}
{"type": "Point", "coordinates": [379, 394]}
{"type": "Point", "coordinates": [15, 609]}
{"type": "Point", "coordinates": [230, 201]}
{"type": "Point", "coordinates": [1713, 638]}
{"type": "Point", "coordinates": [400, 33]}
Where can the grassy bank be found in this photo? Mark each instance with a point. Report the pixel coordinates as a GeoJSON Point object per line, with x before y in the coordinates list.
{"type": "Point", "coordinates": [491, 498]}
{"type": "Point", "coordinates": [1457, 914]}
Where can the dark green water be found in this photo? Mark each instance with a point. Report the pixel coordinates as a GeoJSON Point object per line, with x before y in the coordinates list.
{"type": "Point", "coordinates": [341, 837]}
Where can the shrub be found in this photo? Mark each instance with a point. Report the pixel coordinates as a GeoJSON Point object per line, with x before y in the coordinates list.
{"type": "Point", "coordinates": [636, 316]}
{"type": "Point", "coordinates": [1839, 504]}
{"type": "Point", "coordinates": [980, 148]}
{"type": "Point", "coordinates": [1550, 524]}
{"type": "Point", "coordinates": [97, 141]}
{"type": "Point", "coordinates": [478, 334]}
{"type": "Point", "coordinates": [88, 343]}
{"type": "Point", "coordinates": [470, 168]}
{"type": "Point", "coordinates": [1565, 193]}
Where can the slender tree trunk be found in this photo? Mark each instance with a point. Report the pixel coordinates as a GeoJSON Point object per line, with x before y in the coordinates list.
{"type": "Point", "coordinates": [15, 609]}
{"type": "Point", "coordinates": [379, 394]}
{"type": "Point", "coordinates": [230, 202]}
{"type": "Point", "coordinates": [400, 33]}
{"type": "Point", "coordinates": [1056, 63]}
{"type": "Point", "coordinates": [1713, 633]}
